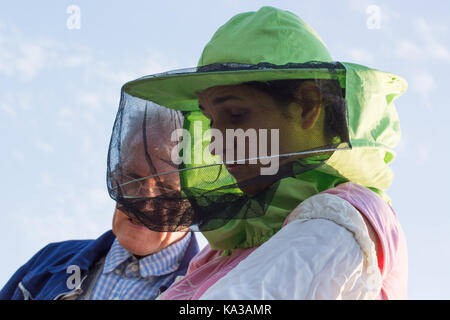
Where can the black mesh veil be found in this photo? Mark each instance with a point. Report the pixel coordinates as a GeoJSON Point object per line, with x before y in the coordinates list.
{"type": "Point", "coordinates": [161, 170]}
{"type": "Point", "coordinates": [139, 152]}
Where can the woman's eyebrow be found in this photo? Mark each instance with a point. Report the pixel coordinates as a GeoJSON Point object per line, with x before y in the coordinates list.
{"type": "Point", "coordinates": [225, 98]}
{"type": "Point", "coordinates": [219, 100]}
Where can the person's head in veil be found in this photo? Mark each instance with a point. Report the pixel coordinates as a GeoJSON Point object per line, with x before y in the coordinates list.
{"type": "Point", "coordinates": [145, 184]}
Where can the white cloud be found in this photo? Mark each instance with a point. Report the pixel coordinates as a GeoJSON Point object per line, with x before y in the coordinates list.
{"type": "Point", "coordinates": [361, 56]}
{"type": "Point", "coordinates": [431, 34]}
{"type": "Point", "coordinates": [66, 112]}
{"type": "Point", "coordinates": [149, 63]}
{"type": "Point", "coordinates": [406, 48]}
{"type": "Point", "coordinates": [156, 63]}
{"type": "Point", "coordinates": [72, 213]}
{"type": "Point", "coordinates": [63, 223]}
{"type": "Point", "coordinates": [44, 146]}
{"type": "Point", "coordinates": [78, 209]}
{"type": "Point", "coordinates": [90, 104]}
{"type": "Point", "coordinates": [91, 100]}
{"type": "Point", "coordinates": [439, 51]}
{"type": "Point", "coordinates": [87, 145]}
{"type": "Point", "coordinates": [428, 29]}
{"type": "Point", "coordinates": [423, 153]}
{"type": "Point", "coordinates": [76, 60]}
{"type": "Point", "coordinates": [429, 43]}
{"type": "Point", "coordinates": [45, 180]}
{"type": "Point", "coordinates": [18, 156]}
{"type": "Point", "coordinates": [99, 196]}
{"type": "Point", "coordinates": [12, 103]}
{"type": "Point", "coordinates": [30, 60]}
{"type": "Point", "coordinates": [24, 58]}
{"type": "Point", "coordinates": [423, 83]}
{"type": "Point", "coordinates": [359, 5]}
{"type": "Point", "coordinates": [117, 77]}
{"type": "Point", "coordinates": [6, 107]}
{"type": "Point", "coordinates": [402, 145]}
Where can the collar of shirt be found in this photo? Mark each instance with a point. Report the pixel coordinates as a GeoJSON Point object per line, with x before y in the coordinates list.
{"type": "Point", "coordinates": [160, 263]}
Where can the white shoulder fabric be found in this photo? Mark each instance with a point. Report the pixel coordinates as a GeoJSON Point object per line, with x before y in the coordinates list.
{"type": "Point", "coordinates": [324, 252]}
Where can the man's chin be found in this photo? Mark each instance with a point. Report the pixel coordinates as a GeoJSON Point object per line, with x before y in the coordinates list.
{"type": "Point", "coordinates": [133, 241]}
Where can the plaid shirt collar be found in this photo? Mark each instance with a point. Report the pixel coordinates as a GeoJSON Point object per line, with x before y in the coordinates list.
{"type": "Point", "coordinates": [157, 264]}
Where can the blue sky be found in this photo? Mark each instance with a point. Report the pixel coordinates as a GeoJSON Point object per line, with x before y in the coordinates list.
{"type": "Point", "coordinates": [60, 88]}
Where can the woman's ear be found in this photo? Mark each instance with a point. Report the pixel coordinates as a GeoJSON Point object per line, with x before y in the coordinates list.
{"type": "Point", "coordinates": [310, 100]}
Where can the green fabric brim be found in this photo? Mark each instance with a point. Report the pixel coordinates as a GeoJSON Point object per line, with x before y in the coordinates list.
{"type": "Point", "coordinates": [178, 90]}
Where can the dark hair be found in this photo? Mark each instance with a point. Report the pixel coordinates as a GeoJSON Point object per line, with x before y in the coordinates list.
{"type": "Point", "coordinates": [285, 92]}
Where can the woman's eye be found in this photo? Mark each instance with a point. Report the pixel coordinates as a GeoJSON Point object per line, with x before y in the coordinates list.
{"type": "Point", "coordinates": [237, 116]}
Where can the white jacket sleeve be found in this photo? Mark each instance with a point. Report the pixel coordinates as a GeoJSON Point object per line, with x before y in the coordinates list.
{"type": "Point", "coordinates": [324, 252]}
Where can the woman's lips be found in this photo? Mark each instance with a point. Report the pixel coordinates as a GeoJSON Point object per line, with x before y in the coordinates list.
{"type": "Point", "coordinates": [230, 165]}
{"type": "Point", "coordinates": [233, 168]}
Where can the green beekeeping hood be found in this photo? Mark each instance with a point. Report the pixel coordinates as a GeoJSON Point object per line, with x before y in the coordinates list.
{"type": "Point", "coordinates": [374, 127]}
{"type": "Point", "coordinates": [272, 44]}
{"type": "Point", "coordinates": [280, 38]}
{"type": "Point", "coordinates": [269, 35]}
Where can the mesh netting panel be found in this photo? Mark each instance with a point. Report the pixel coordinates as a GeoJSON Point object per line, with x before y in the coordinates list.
{"type": "Point", "coordinates": [161, 170]}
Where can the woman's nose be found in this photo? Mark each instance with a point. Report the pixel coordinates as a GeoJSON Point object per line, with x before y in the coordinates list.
{"type": "Point", "coordinates": [212, 147]}
{"type": "Point", "coordinates": [217, 142]}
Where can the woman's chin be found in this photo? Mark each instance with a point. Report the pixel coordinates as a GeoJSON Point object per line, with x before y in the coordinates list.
{"type": "Point", "coordinates": [251, 185]}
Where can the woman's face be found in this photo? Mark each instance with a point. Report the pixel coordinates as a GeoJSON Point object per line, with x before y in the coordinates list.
{"type": "Point", "coordinates": [243, 107]}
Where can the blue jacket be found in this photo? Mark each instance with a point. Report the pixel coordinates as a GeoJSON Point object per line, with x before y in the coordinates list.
{"type": "Point", "coordinates": [44, 276]}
